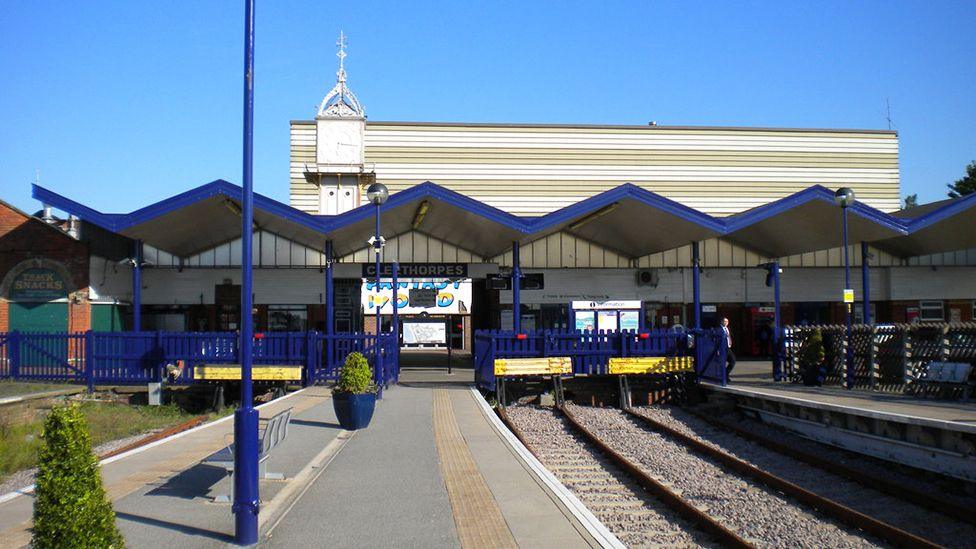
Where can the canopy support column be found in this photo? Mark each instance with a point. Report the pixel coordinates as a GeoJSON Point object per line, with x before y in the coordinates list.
{"type": "Point", "coordinates": [696, 282]}
{"type": "Point", "coordinates": [396, 321]}
{"type": "Point", "coordinates": [516, 284]}
{"type": "Point", "coordinates": [137, 286]}
{"type": "Point", "coordinates": [866, 282]}
{"type": "Point", "coordinates": [777, 320]}
{"type": "Point", "coordinates": [329, 306]}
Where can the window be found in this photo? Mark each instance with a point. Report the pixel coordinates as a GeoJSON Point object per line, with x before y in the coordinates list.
{"type": "Point", "coordinates": [931, 311]}
{"type": "Point", "coordinates": [287, 318]}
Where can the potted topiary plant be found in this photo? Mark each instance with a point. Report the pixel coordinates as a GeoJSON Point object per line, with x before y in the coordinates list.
{"type": "Point", "coordinates": [354, 396]}
{"type": "Point", "coordinates": [811, 358]}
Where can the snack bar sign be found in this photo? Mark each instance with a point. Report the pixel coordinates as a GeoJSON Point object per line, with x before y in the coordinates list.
{"type": "Point", "coordinates": [38, 284]}
{"type": "Point", "coordinates": [453, 296]}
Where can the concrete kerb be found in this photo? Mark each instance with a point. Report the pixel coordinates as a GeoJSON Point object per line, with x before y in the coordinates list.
{"type": "Point", "coordinates": [563, 496]}
{"type": "Point", "coordinates": [30, 489]}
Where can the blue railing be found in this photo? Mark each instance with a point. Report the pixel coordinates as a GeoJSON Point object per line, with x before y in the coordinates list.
{"type": "Point", "coordinates": [591, 351]}
{"type": "Point", "coordinates": [127, 358]}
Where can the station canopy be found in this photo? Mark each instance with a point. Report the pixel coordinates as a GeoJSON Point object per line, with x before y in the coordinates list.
{"type": "Point", "coordinates": [631, 221]}
{"type": "Point", "coordinates": [808, 221]}
{"type": "Point", "coordinates": [197, 220]}
{"type": "Point", "coordinates": [944, 226]}
{"type": "Point", "coordinates": [626, 219]}
{"type": "Point", "coordinates": [433, 210]}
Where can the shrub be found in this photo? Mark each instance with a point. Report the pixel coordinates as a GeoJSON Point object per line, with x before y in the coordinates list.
{"type": "Point", "coordinates": [71, 508]}
{"type": "Point", "coordinates": [356, 376]}
{"type": "Point", "coordinates": [811, 357]}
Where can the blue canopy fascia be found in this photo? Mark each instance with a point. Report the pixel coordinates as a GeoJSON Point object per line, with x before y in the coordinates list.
{"type": "Point", "coordinates": [801, 222]}
{"type": "Point", "coordinates": [633, 222]}
{"type": "Point", "coordinates": [939, 227]}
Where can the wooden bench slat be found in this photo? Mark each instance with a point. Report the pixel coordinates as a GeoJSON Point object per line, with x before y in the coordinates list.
{"type": "Point", "coordinates": [650, 365]}
{"type": "Point", "coordinates": [544, 366]}
{"type": "Point", "coordinates": [232, 372]}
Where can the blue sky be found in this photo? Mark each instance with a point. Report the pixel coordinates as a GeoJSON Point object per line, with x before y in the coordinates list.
{"type": "Point", "coordinates": [123, 103]}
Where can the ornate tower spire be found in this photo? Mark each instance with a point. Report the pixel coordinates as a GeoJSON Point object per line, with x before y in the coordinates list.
{"type": "Point", "coordinates": [340, 102]}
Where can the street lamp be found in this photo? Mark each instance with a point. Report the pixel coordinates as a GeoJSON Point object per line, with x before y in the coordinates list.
{"type": "Point", "coordinates": [844, 197]}
{"type": "Point", "coordinates": [377, 193]}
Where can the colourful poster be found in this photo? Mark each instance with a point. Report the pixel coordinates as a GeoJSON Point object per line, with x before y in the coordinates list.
{"type": "Point", "coordinates": [453, 296]}
{"type": "Point", "coordinates": [629, 320]}
{"type": "Point", "coordinates": [585, 320]}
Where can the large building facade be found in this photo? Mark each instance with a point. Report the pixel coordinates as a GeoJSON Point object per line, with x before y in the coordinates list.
{"type": "Point", "coordinates": [530, 171]}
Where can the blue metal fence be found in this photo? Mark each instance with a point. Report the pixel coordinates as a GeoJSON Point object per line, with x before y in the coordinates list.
{"type": "Point", "coordinates": [128, 358]}
{"type": "Point", "coordinates": [591, 351]}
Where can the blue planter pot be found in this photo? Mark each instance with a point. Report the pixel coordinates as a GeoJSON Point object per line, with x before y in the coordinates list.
{"type": "Point", "coordinates": [354, 411]}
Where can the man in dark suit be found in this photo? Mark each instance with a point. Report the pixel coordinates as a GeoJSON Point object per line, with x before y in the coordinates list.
{"type": "Point", "coordinates": [729, 355]}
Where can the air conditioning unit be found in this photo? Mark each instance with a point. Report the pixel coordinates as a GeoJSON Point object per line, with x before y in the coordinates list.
{"type": "Point", "coordinates": [647, 277]}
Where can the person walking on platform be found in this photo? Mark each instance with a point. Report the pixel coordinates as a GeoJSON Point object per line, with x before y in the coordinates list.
{"type": "Point", "coordinates": [729, 355]}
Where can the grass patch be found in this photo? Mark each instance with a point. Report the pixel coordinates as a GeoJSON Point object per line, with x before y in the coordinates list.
{"type": "Point", "coordinates": [17, 388]}
{"type": "Point", "coordinates": [107, 421]}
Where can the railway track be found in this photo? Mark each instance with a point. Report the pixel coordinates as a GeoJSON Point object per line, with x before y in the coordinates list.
{"type": "Point", "coordinates": [862, 500]}
{"type": "Point", "coordinates": [637, 508]}
{"type": "Point", "coordinates": [655, 481]}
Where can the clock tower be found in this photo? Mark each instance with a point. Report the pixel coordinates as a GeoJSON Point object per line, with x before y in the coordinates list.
{"type": "Point", "coordinates": [340, 125]}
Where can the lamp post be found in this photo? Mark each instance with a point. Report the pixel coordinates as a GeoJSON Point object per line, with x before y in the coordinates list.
{"type": "Point", "coordinates": [246, 498]}
{"type": "Point", "coordinates": [844, 197]}
{"type": "Point", "coordinates": [377, 193]}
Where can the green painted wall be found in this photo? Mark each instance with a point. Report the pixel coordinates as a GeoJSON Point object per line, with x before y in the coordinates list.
{"type": "Point", "coordinates": [106, 318]}
{"type": "Point", "coordinates": [39, 317]}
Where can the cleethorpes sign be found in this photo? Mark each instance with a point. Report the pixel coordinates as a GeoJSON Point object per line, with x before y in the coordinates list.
{"type": "Point", "coordinates": [418, 270]}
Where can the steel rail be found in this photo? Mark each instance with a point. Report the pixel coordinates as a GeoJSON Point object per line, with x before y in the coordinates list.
{"type": "Point", "coordinates": [693, 514]}
{"type": "Point", "coordinates": [912, 495]}
{"type": "Point", "coordinates": [851, 517]}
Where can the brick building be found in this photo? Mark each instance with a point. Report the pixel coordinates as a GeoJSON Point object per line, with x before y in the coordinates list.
{"type": "Point", "coordinates": [44, 275]}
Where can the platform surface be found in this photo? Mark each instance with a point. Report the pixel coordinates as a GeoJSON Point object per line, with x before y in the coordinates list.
{"type": "Point", "coordinates": [756, 378]}
{"type": "Point", "coordinates": [430, 471]}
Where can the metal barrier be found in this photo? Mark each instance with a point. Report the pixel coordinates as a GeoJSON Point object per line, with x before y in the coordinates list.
{"type": "Point", "coordinates": [133, 358]}
{"type": "Point", "coordinates": [591, 351]}
{"type": "Point", "coordinates": [889, 358]}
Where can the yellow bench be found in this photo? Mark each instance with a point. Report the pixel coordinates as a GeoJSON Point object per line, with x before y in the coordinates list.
{"type": "Point", "coordinates": [650, 365]}
{"type": "Point", "coordinates": [232, 372]}
{"type": "Point", "coordinates": [547, 366]}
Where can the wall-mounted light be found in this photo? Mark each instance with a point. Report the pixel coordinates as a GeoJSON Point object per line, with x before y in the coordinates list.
{"type": "Point", "coordinates": [418, 217]}
{"type": "Point", "coordinates": [594, 215]}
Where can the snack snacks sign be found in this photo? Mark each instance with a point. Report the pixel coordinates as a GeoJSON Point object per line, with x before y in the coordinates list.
{"type": "Point", "coordinates": [453, 296]}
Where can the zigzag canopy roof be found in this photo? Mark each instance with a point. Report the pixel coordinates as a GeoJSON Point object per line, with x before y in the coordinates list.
{"type": "Point", "coordinates": [627, 219]}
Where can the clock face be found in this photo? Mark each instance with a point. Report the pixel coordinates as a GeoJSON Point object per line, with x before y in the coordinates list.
{"type": "Point", "coordinates": [340, 143]}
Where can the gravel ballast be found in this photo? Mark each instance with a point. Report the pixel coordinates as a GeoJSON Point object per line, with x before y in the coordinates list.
{"type": "Point", "coordinates": [920, 521]}
{"type": "Point", "coordinates": [762, 516]}
{"type": "Point", "coordinates": [631, 514]}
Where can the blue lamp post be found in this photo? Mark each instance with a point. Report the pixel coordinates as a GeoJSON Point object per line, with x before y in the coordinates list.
{"type": "Point", "coordinates": [246, 502]}
{"type": "Point", "coordinates": [844, 197]}
{"type": "Point", "coordinates": [377, 193]}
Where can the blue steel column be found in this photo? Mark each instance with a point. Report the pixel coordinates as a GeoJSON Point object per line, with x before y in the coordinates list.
{"type": "Point", "coordinates": [137, 287]}
{"type": "Point", "coordinates": [777, 320]}
{"type": "Point", "coordinates": [866, 283]}
{"type": "Point", "coordinates": [329, 306]}
{"type": "Point", "coordinates": [696, 282]}
{"type": "Point", "coordinates": [848, 355]}
{"type": "Point", "coordinates": [396, 321]}
{"type": "Point", "coordinates": [246, 499]}
{"type": "Point", "coordinates": [516, 286]}
{"type": "Point", "coordinates": [378, 246]}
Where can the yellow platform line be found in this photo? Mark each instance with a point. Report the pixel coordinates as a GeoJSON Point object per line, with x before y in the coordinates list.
{"type": "Point", "coordinates": [477, 517]}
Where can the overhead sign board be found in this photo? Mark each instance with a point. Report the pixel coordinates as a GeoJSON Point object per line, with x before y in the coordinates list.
{"type": "Point", "coordinates": [418, 270]}
{"type": "Point", "coordinates": [606, 305]}
{"type": "Point", "coordinates": [453, 297]}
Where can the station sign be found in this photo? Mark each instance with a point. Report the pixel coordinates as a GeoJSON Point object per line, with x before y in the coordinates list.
{"type": "Point", "coordinates": [418, 270]}
{"type": "Point", "coordinates": [452, 297]}
{"type": "Point", "coordinates": [37, 284]}
{"type": "Point", "coordinates": [606, 305]}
